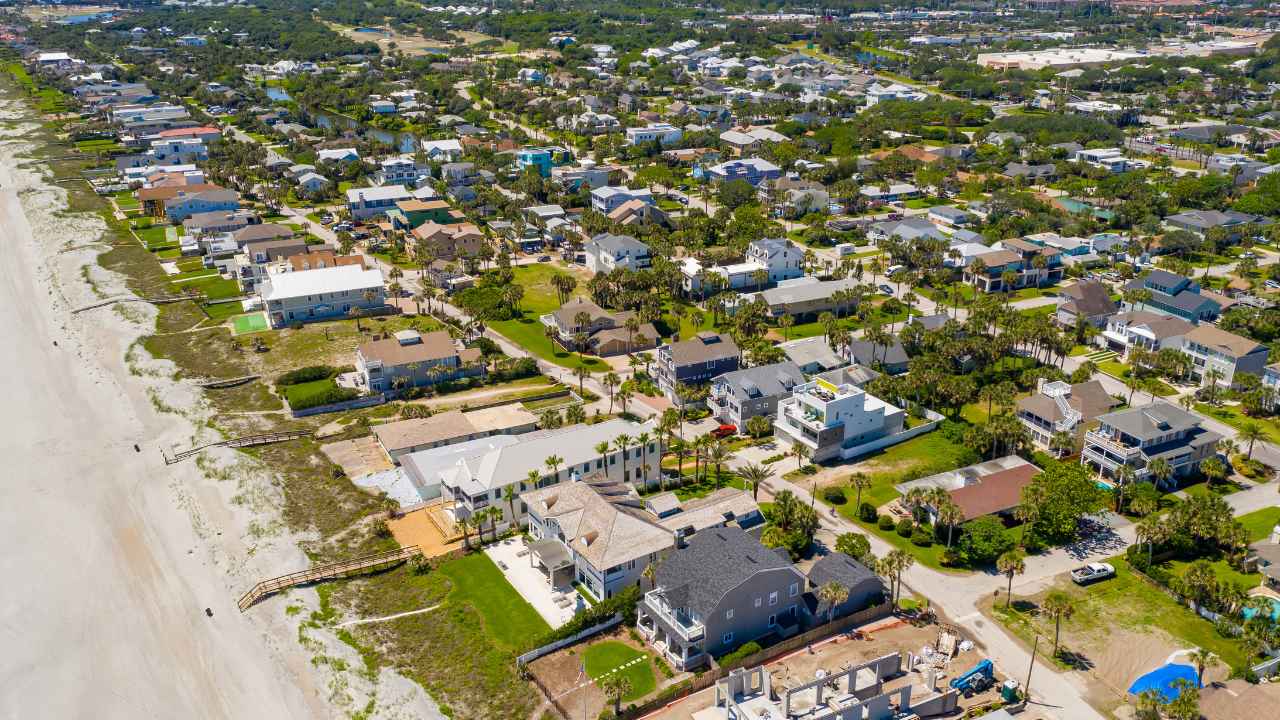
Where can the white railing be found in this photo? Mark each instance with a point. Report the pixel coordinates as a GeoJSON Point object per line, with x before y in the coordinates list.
{"type": "Point", "coordinates": [687, 629]}
{"type": "Point", "coordinates": [1107, 442]}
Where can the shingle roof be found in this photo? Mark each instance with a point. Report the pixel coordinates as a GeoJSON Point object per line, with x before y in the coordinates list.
{"type": "Point", "coordinates": [1158, 418]}
{"type": "Point", "coordinates": [1223, 341]}
{"type": "Point", "coordinates": [840, 568]}
{"type": "Point", "coordinates": [762, 380]}
{"type": "Point", "coordinates": [994, 493]}
{"type": "Point", "coordinates": [715, 562]}
{"type": "Point", "coordinates": [1088, 298]}
{"type": "Point", "coordinates": [705, 347]}
{"type": "Point", "coordinates": [433, 346]}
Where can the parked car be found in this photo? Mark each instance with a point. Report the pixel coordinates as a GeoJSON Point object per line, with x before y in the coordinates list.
{"type": "Point", "coordinates": [887, 290]}
{"type": "Point", "coordinates": [1272, 285]}
{"type": "Point", "coordinates": [544, 258]}
{"type": "Point", "coordinates": [724, 431]}
{"type": "Point", "coordinates": [1091, 573]}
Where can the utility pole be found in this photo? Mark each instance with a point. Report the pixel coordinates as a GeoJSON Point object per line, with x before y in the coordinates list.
{"type": "Point", "coordinates": [1026, 690]}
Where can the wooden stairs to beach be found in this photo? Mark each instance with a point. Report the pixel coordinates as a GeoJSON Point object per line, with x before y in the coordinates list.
{"type": "Point", "coordinates": [226, 382]}
{"type": "Point", "coordinates": [157, 300]}
{"type": "Point", "coordinates": [329, 571]}
{"type": "Point", "coordinates": [240, 442]}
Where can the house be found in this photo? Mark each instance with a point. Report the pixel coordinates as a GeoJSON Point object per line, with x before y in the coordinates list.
{"type": "Point", "coordinates": [720, 591]}
{"type": "Point", "coordinates": [1141, 329]}
{"type": "Point", "coordinates": [442, 150]}
{"type": "Point", "coordinates": [1033, 266]}
{"type": "Point", "coordinates": [907, 229]}
{"type": "Point", "coordinates": [531, 76]}
{"type": "Point", "coordinates": [661, 133]}
{"type": "Point", "coordinates": [367, 202]}
{"type": "Point", "coordinates": [1137, 436]}
{"type": "Point", "coordinates": [311, 183]}
{"type": "Point", "coordinates": [448, 242]}
{"type": "Point", "coordinates": [950, 216]}
{"type": "Point", "coordinates": [753, 170]}
{"type": "Point", "coordinates": [218, 221]}
{"type": "Point", "coordinates": [607, 252]}
{"type": "Point", "coordinates": [586, 173]}
{"type": "Point", "coordinates": [1175, 295]}
{"type": "Point", "coordinates": [1109, 159]}
{"type": "Point", "coordinates": [323, 294]}
{"type": "Point", "coordinates": [250, 266]}
{"type": "Point", "coordinates": [337, 155]}
{"type": "Point", "coordinates": [412, 213]}
{"type": "Point", "coordinates": [738, 396]}
{"type": "Point", "coordinates": [993, 487]}
{"type": "Point", "coordinates": [185, 204]}
{"type": "Point", "coordinates": [767, 261]}
{"type": "Point", "coordinates": [639, 212]}
{"type": "Point", "coordinates": [410, 359]}
{"type": "Point", "coordinates": [405, 437]}
{"type": "Point", "coordinates": [1059, 407]}
{"type": "Point", "coordinates": [812, 354]}
{"type": "Point", "coordinates": [607, 199]}
{"type": "Point", "coordinates": [836, 421]}
{"type": "Point", "coordinates": [1088, 301]}
{"type": "Point", "coordinates": [1200, 222]}
{"type": "Point", "coordinates": [1211, 348]}
{"type": "Point", "coordinates": [694, 362]}
{"type": "Point", "coordinates": [539, 158]}
{"type": "Point", "coordinates": [478, 481]}
{"type": "Point", "coordinates": [879, 92]}
{"type": "Point", "coordinates": [893, 192]}
{"type": "Point", "coordinates": [401, 170]}
{"type": "Point", "coordinates": [599, 534]}
{"type": "Point", "coordinates": [891, 358]}
{"type": "Point", "coordinates": [580, 324]}
{"type": "Point", "coordinates": [865, 588]}
{"type": "Point", "coordinates": [1033, 173]}
{"type": "Point", "coordinates": [805, 298]}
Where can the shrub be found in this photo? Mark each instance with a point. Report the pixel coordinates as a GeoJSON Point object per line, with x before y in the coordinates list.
{"type": "Point", "coordinates": [744, 650]}
{"type": "Point", "coordinates": [867, 513]}
{"type": "Point", "coordinates": [905, 527]}
{"type": "Point", "coordinates": [922, 537]}
{"type": "Point", "coordinates": [985, 540]}
{"type": "Point", "coordinates": [885, 522]}
{"type": "Point", "coordinates": [623, 603]}
{"type": "Point", "coordinates": [311, 373]}
{"type": "Point", "coordinates": [834, 495]}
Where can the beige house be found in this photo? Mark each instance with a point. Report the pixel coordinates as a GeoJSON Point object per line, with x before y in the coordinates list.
{"type": "Point", "coordinates": [402, 437]}
{"type": "Point", "coordinates": [410, 359]}
{"type": "Point", "coordinates": [449, 242]}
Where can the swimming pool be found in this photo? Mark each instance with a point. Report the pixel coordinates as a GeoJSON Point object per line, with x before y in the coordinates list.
{"type": "Point", "coordinates": [1275, 612]}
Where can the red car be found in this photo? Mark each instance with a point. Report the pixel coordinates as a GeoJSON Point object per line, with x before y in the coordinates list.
{"type": "Point", "coordinates": [724, 431]}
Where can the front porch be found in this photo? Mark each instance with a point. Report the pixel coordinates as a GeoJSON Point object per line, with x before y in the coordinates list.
{"type": "Point", "coordinates": [682, 654]}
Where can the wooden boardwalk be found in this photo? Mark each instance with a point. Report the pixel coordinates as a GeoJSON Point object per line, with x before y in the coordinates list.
{"type": "Point", "coordinates": [325, 572]}
{"type": "Point", "coordinates": [159, 300]}
{"type": "Point", "coordinates": [240, 442]}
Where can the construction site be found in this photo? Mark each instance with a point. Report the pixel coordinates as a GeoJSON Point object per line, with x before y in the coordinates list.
{"type": "Point", "coordinates": [888, 669]}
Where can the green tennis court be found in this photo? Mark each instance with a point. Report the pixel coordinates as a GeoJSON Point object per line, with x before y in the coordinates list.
{"type": "Point", "coordinates": [255, 322]}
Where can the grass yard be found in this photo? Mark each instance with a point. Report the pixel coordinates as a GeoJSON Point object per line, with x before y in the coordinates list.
{"type": "Point", "coordinates": [918, 457]}
{"type": "Point", "coordinates": [215, 287]}
{"type": "Point", "coordinates": [305, 392]}
{"type": "Point", "coordinates": [1260, 522]}
{"type": "Point", "coordinates": [332, 342]}
{"type": "Point", "coordinates": [925, 202]}
{"type": "Point", "coordinates": [153, 237]}
{"type": "Point", "coordinates": [527, 331]}
{"type": "Point", "coordinates": [508, 618]}
{"type": "Point", "coordinates": [1120, 371]}
{"type": "Point", "coordinates": [1234, 416]}
{"type": "Point", "coordinates": [252, 323]}
{"type": "Point", "coordinates": [613, 657]}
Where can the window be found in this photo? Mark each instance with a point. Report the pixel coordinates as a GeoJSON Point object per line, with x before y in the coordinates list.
{"type": "Point", "coordinates": [795, 589]}
{"type": "Point", "coordinates": [728, 638]}
{"type": "Point", "coordinates": [759, 602]}
{"type": "Point", "coordinates": [773, 598]}
{"type": "Point", "coordinates": [773, 620]}
{"type": "Point", "coordinates": [728, 614]}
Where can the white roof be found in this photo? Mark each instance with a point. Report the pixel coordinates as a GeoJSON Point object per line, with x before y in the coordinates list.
{"type": "Point", "coordinates": [337, 154]}
{"type": "Point", "coordinates": [453, 145]}
{"type": "Point", "coordinates": [382, 192]}
{"type": "Point", "coordinates": [288, 285]}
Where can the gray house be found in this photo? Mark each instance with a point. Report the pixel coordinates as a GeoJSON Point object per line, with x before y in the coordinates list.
{"type": "Point", "coordinates": [865, 587]}
{"type": "Point", "coordinates": [892, 359]}
{"type": "Point", "coordinates": [695, 362]}
{"type": "Point", "coordinates": [722, 590]}
{"type": "Point", "coordinates": [1137, 436]}
{"type": "Point", "coordinates": [738, 396]}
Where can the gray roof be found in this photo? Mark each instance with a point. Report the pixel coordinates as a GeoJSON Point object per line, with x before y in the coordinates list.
{"type": "Point", "coordinates": [763, 380]}
{"type": "Point", "coordinates": [1016, 169]}
{"type": "Point", "coordinates": [704, 347]}
{"type": "Point", "coordinates": [856, 375]}
{"type": "Point", "coordinates": [1205, 219]}
{"type": "Point", "coordinates": [805, 289]}
{"type": "Point", "coordinates": [861, 352]}
{"type": "Point", "coordinates": [950, 211]}
{"type": "Point", "coordinates": [812, 351]}
{"type": "Point", "coordinates": [909, 228]}
{"type": "Point", "coordinates": [1145, 423]}
{"type": "Point", "coordinates": [840, 568]}
{"type": "Point", "coordinates": [619, 243]}
{"type": "Point", "coordinates": [715, 562]}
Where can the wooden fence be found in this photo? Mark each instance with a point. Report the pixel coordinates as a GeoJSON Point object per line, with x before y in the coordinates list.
{"type": "Point", "coordinates": [551, 647]}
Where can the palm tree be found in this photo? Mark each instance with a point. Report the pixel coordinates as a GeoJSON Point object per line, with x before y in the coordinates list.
{"type": "Point", "coordinates": [616, 686]}
{"type": "Point", "coordinates": [859, 481]}
{"type": "Point", "coordinates": [553, 464]}
{"type": "Point", "coordinates": [755, 476]}
{"type": "Point", "coordinates": [1202, 659]}
{"type": "Point", "coordinates": [717, 454]}
{"type": "Point", "coordinates": [1151, 530]}
{"type": "Point", "coordinates": [611, 382]}
{"type": "Point", "coordinates": [650, 573]}
{"type": "Point", "coordinates": [949, 513]}
{"type": "Point", "coordinates": [1062, 443]}
{"type": "Point", "coordinates": [603, 448]}
{"type": "Point", "coordinates": [1250, 432]}
{"type": "Point", "coordinates": [1012, 562]}
{"type": "Point", "coordinates": [509, 494]}
{"type": "Point", "coordinates": [1213, 469]}
{"type": "Point", "coordinates": [1160, 470]}
{"type": "Point", "coordinates": [1058, 605]}
{"type": "Point", "coordinates": [464, 524]}
{"type": "Point", "coordinates": [582, 373]}
{"type": "Point", "coordinates": [898, 562]}
{"type": "Point", "coordinates": [800, 452]}
{"type": "Point", "coordinates": [624, 396]}
{"type": "Point", "coordinates": [622, 442]}
{"type": "Point", "coordinates": [832, 594]}
{"type": "Point", "coordinates": [642, 441]}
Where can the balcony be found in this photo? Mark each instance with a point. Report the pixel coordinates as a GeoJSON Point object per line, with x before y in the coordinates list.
{"type": "Point", "coordinates": [682, 624]}
{"type": "Point", "coordinates": [1112, 444]}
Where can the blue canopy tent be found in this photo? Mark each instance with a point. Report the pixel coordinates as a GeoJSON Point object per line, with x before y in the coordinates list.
{"type": "Point", "coordinates": [1164, 680]}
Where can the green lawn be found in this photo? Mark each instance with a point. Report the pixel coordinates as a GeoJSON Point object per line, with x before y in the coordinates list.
{"type": "Point", "coordinates": [251, 323]}
{"type": "Point", "coordinates": [153, 237]}
{"type": "Point", "coordinates": [215, 287]}
{"type": "Point", "coordinates": [509, 619]}
{"type": "Point", "coordinates": [1233, 415]}
{"type": "Point", "coordinates": [920, 456]}
{"type": "Point", "coordinates": [304, 392]}
{"type": "Point", "coordinates": [1120, 371]}
{"type": "Point", "coordinates": [527, 331]}
{"type": "Point", "coordinates": [607, 657]}
{"type": "Point", "coordinates": [925, 202]}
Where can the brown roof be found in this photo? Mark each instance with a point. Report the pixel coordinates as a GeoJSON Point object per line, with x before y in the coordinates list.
{"type": "Point", "coordinates": [434, 346]}
{"type": "Point", "coordinates": [322, 258]}
{"type": "Point", "coordinates": [1090, 399]}
{"type": "Point", "coordinates": [1223, 341]}
{"type": "Point", "coordinates": [994, 493]}
{"type": "Point", "coordinates": [917, 153]}
{"type": "Point", "coordinates": [1088, 298]}
{"type": "Point", "coordinates": [704, 347]}
{"type": "Point", "coordinates": [166, 192]}
{"type": "Point", "coordinates": [416, 205]}
{"type": "Point", "coordinates": [265, 231]}
{"type": "Point", "coordinates": [998, 258]}
{"type": "Point", "coordinates": [1162, 326]}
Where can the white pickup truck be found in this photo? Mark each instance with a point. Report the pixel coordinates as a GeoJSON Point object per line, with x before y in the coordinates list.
{"type": "Point", "coordinates": [1091, 573]}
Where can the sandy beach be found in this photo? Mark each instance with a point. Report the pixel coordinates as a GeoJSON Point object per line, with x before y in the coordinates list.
{"type": "Point", "coordinates": [110, 557]}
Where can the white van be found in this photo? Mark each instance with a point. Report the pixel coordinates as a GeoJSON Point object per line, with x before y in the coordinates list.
{"type": "Point", "coordinates": [846, 249]}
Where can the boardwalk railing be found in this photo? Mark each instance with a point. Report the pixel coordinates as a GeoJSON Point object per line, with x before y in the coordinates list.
{"type": "Point", "coordinates": [240, 442]}
{"type": "Point", "coordinates": [158, 300]}
{"type": "Point", "coordinates": [325, 572]}
{"type": "Point", "coordinates": [227, 382]}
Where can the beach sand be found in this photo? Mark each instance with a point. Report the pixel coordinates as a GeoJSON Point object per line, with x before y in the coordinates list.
{"type": "Point", "coordinates": [110, 557]}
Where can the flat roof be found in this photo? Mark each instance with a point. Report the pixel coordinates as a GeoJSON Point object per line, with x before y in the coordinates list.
{"type": "Point", "coordinates": [283, 286]}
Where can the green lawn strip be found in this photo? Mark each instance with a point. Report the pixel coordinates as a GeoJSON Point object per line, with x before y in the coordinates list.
{"type": "Point", "coordinates": [153, 236]}
{"type": "Point", "coordinates": [1232, 415]}
{"type": "Point", "coordinates": [214, 287]}
{"type": "Point", "coordinates": [925, 202]}
{"type": "Point", "coordinates": [610, 656]}
{"type": "Point", "coordinates": [301, 393]}
{"type": "Point", "coordinates": [528, 331]}
{"type": "Point", "coordinates": [509, 619]}
{"type": "Point", "coordinates": [918, 457]}
{"type": "Point", "coordinates": [1120, 371]}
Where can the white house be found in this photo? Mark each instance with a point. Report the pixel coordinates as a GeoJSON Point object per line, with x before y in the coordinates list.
{"type": "Point", "coordinates": [663, 133]}
{"type": "Point", "coordinates": [893, 91]}
{"type": "Point", "coordinates": [337, 155]}
{"type": "Point", "coordinates": [836, 421]}
{"type": "Point", "coordinates": [607, 199]}
{"type": "Point", "coordinates": [401, 170]}
{"type": "Point", "coordinates": [442, 150]}
{"type": "Point", "coordinates": [367, 202]}
{"type": "Point", "coordinates": [321, 294]}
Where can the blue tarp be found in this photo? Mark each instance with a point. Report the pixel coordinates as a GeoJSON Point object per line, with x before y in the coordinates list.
{"type": "Point", "coordinates": [1163, 680]}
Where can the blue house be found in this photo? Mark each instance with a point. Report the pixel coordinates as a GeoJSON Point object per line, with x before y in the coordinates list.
{"type": "Point", "coordinates": [1175, 295]}
{"type": "Point", "coordinates": [542, 158]}
{"type": "Point", "coordinates": [753, 170]}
